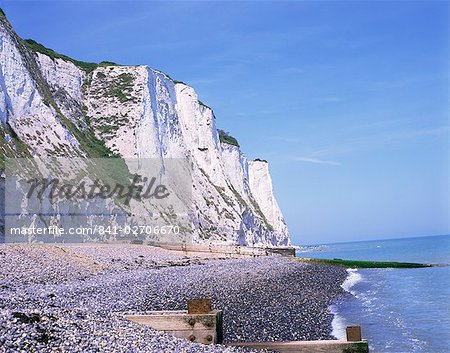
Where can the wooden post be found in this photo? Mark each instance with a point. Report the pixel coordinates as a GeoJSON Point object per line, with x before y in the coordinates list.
{"type": "Point", "coordinates": [199, 306]}
{"type": "Point", "coordinates": [353, 333]}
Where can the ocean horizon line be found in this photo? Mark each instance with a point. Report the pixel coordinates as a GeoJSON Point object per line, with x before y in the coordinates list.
{"type": "Point", "coordinates": [375, 240]}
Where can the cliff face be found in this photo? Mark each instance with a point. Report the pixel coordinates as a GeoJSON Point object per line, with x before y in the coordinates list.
{"type": "Point", "coordinates": [53, 105]}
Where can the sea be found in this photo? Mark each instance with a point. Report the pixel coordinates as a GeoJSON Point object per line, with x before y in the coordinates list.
{"type": "Point", "coordinates": [399, 310]}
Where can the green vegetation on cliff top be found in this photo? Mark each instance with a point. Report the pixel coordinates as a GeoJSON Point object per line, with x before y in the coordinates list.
{"type": "Point", "coordinates": [225, 137]}
{"type": "Point", "coordinates": [86, 66]}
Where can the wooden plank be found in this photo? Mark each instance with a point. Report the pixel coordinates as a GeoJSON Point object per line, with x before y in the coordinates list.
{"type": "Point", "coordinates": [331, 346]}
{"type": "Point", "coordinates": [162, 312]}
{"type": "Point", "coordinates": [200, 328]}
{"type": "Point", "coordinates": [177, 321]}
{"type": "Point", "coordinates": [198, 336]}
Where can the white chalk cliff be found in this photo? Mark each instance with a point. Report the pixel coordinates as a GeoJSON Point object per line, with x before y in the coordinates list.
{"type": "Point", "coordinates": [53, 105]}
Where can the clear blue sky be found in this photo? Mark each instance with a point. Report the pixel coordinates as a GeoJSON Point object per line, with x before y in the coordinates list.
{"type": "Point", "coordinates": [348, 101]}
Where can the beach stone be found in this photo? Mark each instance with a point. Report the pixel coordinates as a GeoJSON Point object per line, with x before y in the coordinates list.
{"type": "Point", "coordinates": [72, 298]}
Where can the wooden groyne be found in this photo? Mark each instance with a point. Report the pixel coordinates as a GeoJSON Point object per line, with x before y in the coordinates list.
{"type": "Point", "coordinates": [203, 325]}
{"type": "Point", "coordinates": [200, 328]}
{"type": "Point", "coordinates": [353, 344]}
{"type": "Point", "coordinates": [331, 346]}
{"type": "Point", "coordinates": [198, 324]}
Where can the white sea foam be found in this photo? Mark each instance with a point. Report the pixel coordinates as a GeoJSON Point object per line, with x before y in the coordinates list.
{"type": "Point", "coordinates": [337, 324]}
{"type": "Point", "coordinates": [353, 277]}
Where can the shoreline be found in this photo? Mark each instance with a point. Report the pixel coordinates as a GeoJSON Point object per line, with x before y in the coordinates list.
{"type": "Point", "coordinates": [338, 323]}
{"type": "Point", "coordinates": [53, 297]}
{"type": "Point", "coordinates": [378, 304]}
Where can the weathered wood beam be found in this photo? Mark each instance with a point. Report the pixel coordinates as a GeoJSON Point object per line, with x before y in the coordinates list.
{"type": "Point", "coordinates": [201, 328]}
{"type": "Point", "coordinates": [329, 346]}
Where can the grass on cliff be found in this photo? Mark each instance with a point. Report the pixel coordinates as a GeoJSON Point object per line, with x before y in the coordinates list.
{"type": "Point", "coordinates": [366, 264]}
{"type": "Point", "coordinates": [86, 66]}
{"type": "Point", "coordinates": [89, 143]}
{"type": "Point", "coordinates": [122, 88]}
{"type": "Point", "coordinates": [12, 148]}
{"type": "Point", "coordinates": [226, 138]}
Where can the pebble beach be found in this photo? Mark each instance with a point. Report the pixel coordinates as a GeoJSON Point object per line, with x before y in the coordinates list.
{"type": "Point", "coordinates": [72, 298]}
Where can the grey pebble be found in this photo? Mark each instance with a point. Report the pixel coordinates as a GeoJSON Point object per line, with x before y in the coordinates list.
{"type": "Point", "coordinates": [72, 298]}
